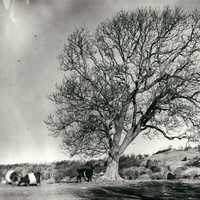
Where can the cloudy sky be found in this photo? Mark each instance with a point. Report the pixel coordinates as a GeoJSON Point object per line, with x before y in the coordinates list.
{"type": "Point", "coordinates": [32, 33]}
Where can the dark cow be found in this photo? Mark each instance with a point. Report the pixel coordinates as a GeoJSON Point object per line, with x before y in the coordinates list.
{"type": "Point", "coordinates": [171, 176]}
{"type": "Point", "coordinates": [30, 179]}
{"type": "Point", "coordinates": [14, 177]}
{"type": "Point", "coordinates": [81, 174]}
{"type": "Point", "coordinates": [85, 173]}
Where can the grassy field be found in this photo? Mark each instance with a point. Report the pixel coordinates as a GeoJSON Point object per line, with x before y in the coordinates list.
{"type": "Point", "coordinates": [43, 192]}
{"type": "Point", "coordinates": [69, 191]}
{"type": "Point", "coordinates": [146, 190]}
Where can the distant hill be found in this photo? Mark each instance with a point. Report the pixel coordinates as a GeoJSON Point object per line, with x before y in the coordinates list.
{"type": "Point", "coordinates": [175, 158]}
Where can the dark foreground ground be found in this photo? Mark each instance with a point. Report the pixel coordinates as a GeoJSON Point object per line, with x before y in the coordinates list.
{"type": "Point", "coordinates": [156, 190]}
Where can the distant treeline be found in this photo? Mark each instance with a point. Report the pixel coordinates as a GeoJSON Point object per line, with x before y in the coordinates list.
{"type": "Point", "coordinates": [67, 168]}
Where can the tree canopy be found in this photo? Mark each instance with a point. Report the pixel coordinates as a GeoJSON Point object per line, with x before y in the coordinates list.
{"type": "Point", "coordinates": [138, 73]}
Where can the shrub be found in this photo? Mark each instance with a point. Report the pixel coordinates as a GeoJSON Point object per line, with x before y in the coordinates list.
{"type": "Point", "coordinates": [195, 162]}
{"type": "Point", "coordinates": [130, 161]}
{"type": "Point", "coordinates": [144, 177]}
{"type": "Point", "coordinates": [59, 175]}
{"type": "Point", "coordinates": [157, 176]}
{"type": "Point", "coordinates": [191, 172]}
{"type": "Point", "coordinates": [134, 172]}
{"type": "Point", "coordinates": [130, 174]}
{"type": "Point", "coordinates": [155, 169]}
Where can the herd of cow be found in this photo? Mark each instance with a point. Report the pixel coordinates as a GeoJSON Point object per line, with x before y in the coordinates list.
{"type": "Point", "coordinates": [12, 177]}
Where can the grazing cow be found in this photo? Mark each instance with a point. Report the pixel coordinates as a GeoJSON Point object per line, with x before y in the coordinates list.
{"type": "Point", "coordinates": [85, 173]}
{"type": "Point", "coordinates": [78, 178]}
{"type": "Point", "coordinates": [30, 179]}
{"type": "Point", "coordinates": [81, 174]}
{"type": "Point", "coordinates": [89, 173]}
{"type": "Point", "coordinates": [171, 176]}
{"type": "Point", "coordinates": [11, 177]}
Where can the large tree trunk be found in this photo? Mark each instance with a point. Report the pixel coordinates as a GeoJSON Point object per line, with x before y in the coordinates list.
{"type": "Point", "coordinates": [112, 170]}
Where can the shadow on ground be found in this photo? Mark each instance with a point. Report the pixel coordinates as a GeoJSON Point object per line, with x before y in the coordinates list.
{"type": "Point", "coordinates": [144, 191]}
{"type": "Point", "coordinates": [92, 191]}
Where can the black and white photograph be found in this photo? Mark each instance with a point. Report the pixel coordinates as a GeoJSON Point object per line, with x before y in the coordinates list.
{"type": "Point", "coordinates": [100, 99]}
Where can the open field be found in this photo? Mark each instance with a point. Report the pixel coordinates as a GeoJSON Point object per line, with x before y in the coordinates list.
{"type": "Point", "coordinates": [156, 190]}
{"type": "Point", "coordinates": [43, 192]}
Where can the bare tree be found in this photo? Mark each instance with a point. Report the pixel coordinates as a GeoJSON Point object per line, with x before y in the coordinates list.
{"type": "Point", "coordinates": [139, 73]}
